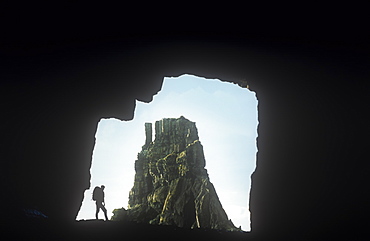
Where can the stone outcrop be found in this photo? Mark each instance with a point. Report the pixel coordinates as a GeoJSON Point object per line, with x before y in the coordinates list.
{"type": "Point", "coordinates": [172, 186]}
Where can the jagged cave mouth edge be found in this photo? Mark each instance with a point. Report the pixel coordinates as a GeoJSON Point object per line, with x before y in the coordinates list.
{"type": "Point", "coordinates": [200, 78]}
{"type": "Point", "coordinates": [241, 84]}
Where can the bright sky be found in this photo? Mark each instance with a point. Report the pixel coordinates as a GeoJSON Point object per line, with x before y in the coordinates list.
{"type": "Point", "coordinates": [226, 119]}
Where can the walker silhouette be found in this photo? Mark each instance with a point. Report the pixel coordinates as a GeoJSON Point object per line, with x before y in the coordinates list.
{"type": "Point", "coordinates": [98, 197]}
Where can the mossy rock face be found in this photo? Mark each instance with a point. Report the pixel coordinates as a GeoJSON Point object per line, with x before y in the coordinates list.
{"type": "Point", "coordinates": [119, 214]}
{"type": "Point", "coordinates": [171, 184]}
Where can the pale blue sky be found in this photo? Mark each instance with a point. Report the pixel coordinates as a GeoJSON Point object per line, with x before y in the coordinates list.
{"type": "Point", "coordinates": [226, 118]}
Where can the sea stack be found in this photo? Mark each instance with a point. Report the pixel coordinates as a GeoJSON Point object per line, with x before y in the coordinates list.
{"type": "Point", "coordinates": [171, 185]}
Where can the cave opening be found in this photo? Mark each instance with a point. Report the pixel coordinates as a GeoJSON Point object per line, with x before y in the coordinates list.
{"type": "Point", "coordinates": [227, 119]}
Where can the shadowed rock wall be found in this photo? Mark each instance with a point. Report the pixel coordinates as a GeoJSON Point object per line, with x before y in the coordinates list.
{"type": "Point", "coordinates": [312, 164]}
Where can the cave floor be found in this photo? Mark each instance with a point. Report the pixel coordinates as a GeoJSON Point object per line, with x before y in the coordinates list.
{"type": "Point", "coordinates": [109, 230]}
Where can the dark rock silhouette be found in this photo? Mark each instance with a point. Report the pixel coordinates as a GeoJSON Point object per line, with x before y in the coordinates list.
{"type": "Point", "coordinates": [312, 85]}
{"type": "Point", "coordinates": [171, 185]}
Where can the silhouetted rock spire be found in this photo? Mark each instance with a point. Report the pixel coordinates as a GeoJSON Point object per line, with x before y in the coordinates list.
{"type": "Point", "coordinates": [148, 133]}
{"type": "Point", "coordinates": [171, 185]}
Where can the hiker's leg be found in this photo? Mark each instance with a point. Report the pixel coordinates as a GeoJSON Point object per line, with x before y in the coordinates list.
{"type": "Point", "coordinates": [105, 212]}
{"type": "Point", "coordinates": [97, 210]}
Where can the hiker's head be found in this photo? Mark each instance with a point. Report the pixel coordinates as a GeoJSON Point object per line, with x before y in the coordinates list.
{"type": "Point", "coordinates": [102, 187]}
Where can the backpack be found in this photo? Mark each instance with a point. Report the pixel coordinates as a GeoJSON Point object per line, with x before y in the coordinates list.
{"type": "Point", "coordinates": [95, 194]}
